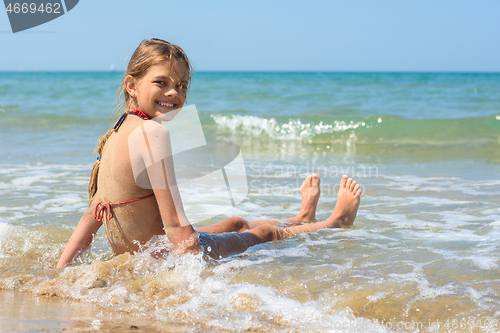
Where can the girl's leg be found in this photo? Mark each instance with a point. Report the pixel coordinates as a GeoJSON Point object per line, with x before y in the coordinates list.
{"type": "Point", "coordinates": [232, 224]}
{"type": "Point", "coordinates": [310, 195]}
{"type": "Point", "coordinates": [343, 215]}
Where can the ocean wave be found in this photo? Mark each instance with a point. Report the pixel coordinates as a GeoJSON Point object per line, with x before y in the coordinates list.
{"type": "Point", "coordinates": [294, 129]}
{"type": "Point", "coordinates": [370, 130]}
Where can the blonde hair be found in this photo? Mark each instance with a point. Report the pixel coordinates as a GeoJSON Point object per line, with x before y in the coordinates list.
{"type": "Point", "coordinates": [149, 53]}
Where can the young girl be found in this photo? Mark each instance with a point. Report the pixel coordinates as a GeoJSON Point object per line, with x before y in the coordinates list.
{"type": "Point", "coordinates": [155, 86]}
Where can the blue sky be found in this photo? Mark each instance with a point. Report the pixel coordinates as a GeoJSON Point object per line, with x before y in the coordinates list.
{"type": "Point", "coordinates": [348, 35]}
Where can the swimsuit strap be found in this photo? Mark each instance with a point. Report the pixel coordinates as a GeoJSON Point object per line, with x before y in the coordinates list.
{"type": "Point", "coordinates": [102, 208]}
{"type": "Point", "coordinates": [141, 114]}
{"type": "Point", "coordinates": [120, 121]}
{"type": "Point", "coordinates": [137, 112]}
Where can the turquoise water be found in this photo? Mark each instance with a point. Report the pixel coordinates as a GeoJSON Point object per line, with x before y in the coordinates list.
{"type": "Point", "coordinates": [425, 146]}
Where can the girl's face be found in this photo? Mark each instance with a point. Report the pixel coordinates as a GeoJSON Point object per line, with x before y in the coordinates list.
{"type": "Point", "coordinates": [162, 89]}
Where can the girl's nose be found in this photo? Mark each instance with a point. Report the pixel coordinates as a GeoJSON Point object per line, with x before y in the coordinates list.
{"type": "Point", "coordinates": [171, 92]}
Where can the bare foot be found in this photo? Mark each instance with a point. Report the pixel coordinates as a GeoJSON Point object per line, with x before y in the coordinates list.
{"type": "Point", "coordinates": [310, 195]}
{"type": "Point", "coordinates": [347, 204]}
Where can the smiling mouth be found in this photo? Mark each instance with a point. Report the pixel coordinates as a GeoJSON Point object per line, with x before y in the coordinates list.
{"type": "Point", "coordinates": [166, 105]}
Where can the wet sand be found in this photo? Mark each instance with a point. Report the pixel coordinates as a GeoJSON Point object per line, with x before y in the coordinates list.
{"type": "Point", "coordinates": [23, 312]}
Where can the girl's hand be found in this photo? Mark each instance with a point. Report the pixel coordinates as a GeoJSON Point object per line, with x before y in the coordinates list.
{"type": "Point", "coordinates": [82, 236]}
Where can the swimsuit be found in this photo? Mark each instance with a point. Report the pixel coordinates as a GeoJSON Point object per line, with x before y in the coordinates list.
{"type": "Point", "coordinates": [138, 113]}
{"type": "Point", "coordinates": [102, 208]}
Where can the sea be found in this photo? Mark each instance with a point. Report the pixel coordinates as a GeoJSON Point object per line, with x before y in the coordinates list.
{"type": "Point", "coordinates": [422, 256]}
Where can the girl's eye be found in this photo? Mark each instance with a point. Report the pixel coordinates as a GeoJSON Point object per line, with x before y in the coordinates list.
{"type": "Point", "coordinates": [160, 82]}
{"type": "Point", "coordinates": [182, 86]}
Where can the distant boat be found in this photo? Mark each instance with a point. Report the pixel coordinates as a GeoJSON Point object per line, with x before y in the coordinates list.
{"type": "Point", "coordinates": [112, 67]}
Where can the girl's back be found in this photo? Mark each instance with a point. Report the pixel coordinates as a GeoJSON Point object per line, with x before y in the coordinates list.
{"type": "Point", "coordinates": [132, 221]}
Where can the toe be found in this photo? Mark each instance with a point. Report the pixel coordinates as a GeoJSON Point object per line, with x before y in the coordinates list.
{"type": "Point", "coordinates": [343, 181]}
{"type": "Point", "coordinates": [353, 185]}
{"type": "Point", "coordinates": [306, 183]}
{"type": "Point", "coordinates": [348, 184]}
{"type": "Point", "coordinates": [315, 180]}
{"type": "Point", "coordinates": [358, 193]}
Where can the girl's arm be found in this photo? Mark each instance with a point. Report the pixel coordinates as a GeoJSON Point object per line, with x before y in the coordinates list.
{"type": "Point", "coordinates": [82, 236]}
{"type": "Point", "coordinates": [158, 160]}
{"type": "Point", "coordinates": [176, 226]}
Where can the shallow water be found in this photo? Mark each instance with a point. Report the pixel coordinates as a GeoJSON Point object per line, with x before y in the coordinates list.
{"type": "Point", "coordinates": [424, 249]}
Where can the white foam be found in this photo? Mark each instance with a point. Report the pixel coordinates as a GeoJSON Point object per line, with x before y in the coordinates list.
{"type": "Point", "coordinates": [432, 292]}
{"type": "Point", "coordinates": [435, 201]}
{"type": "Point", "coordinates": [291, 130]}
{"type": "Point", "coordinates": [18, 216]}
{"type": "Point", "coordinates": [415, 224]}
{"type": "Point", "coordinates": [21, 242]}
{"type": "Point", "coordinates": [4, 231]}
{"type": "Point", "coordinates": [300, 252]}
{"type": "Point", "coordinates": [363, 234]}
{"type": "Point", "coordinates": [227, 270]}
{"type": "Point", "coordinates": [444, 236]}
{"type": "Point", "coordinates": [377, 296]}
{"type": "Point", "coordinates": [24, 181]}
{"type": "Point", "coordinates": [473, 294]}
{"type": "Point", "coordinates": [69, 202]}
{"type": "Point", "coordinates": [483, 262]}
{"type": "Point", "coordinates": [217, 298]}
{"type": "Point", "coordinates": [413, 183]}
{"type": "Point", "coordinates": [491, 211]}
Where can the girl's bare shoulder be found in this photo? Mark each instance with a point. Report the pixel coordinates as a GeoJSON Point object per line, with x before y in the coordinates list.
{"type": "Point", "coordinates": [148, 130]}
